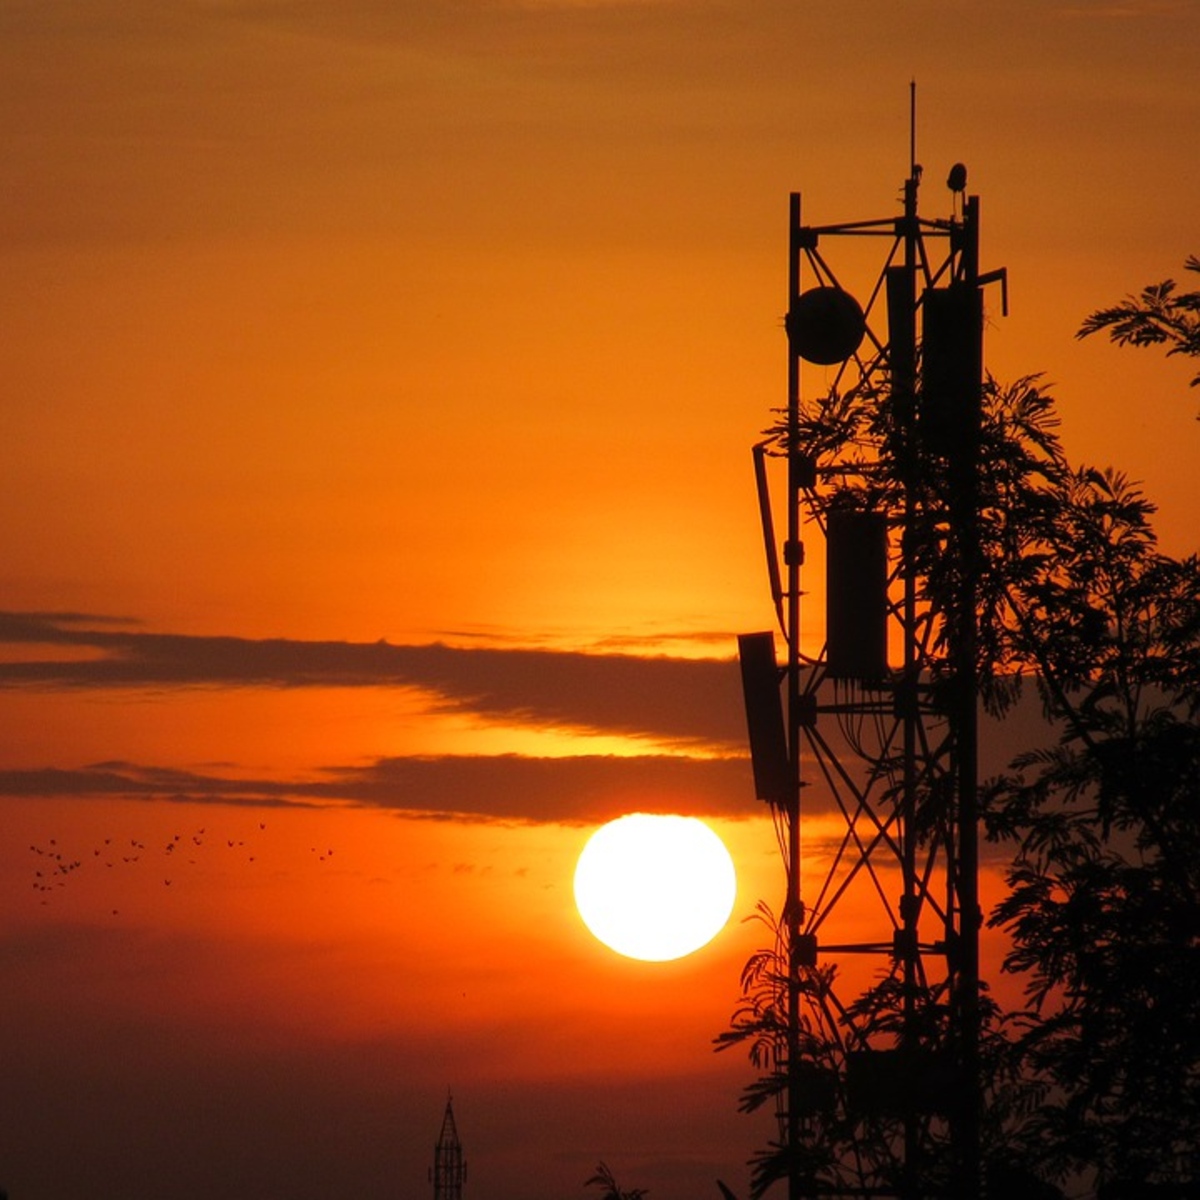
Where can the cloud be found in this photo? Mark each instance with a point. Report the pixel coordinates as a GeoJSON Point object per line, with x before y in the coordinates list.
{"type": "Point", "coordinates": [584, 789]}
{"type": "Point", "coordinates": [692, 705]}
{"type": "Point", "coordinates": [581, 790]}
{"type": "Point", "coordinates": [684, 701]}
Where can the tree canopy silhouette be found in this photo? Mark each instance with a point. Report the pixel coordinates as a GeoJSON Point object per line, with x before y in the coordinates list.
{"type": "Point", "coordinates": [1157, 316]}
{"type": "Point", "coordinates": [609, 1188]}
{"type": "Point", "coordinates": [1104, 901]}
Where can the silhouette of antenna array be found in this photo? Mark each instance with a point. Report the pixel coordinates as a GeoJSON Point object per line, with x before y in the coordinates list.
{"type": "Point", "coordinates": [878, 724]}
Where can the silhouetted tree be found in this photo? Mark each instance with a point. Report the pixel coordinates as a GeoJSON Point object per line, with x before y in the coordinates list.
{"type": "Point", "coordinates": [606, 1181]}
{"type": "Point", "coordinates": [1157, 316]}
{"type": "Point", "coordinates": [760, 1025]}
{"type": "Point", "coordinates": [1104, 906]}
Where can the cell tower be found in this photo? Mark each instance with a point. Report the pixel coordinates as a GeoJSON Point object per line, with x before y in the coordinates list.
{"type": "Point", "coordinates": [449, 1170]}
{"type": "Point", "coordinates": [869, 757]}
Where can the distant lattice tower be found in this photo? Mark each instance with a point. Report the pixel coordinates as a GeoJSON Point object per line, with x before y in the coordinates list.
{"type": "Point", "coordinates": [449, 1167]}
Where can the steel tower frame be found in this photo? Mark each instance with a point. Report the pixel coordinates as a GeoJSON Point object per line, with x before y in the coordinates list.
{"type": "Point", "coordinates": [449, 1170]}
{"type": "Point", "coordinates": [869, 1089]}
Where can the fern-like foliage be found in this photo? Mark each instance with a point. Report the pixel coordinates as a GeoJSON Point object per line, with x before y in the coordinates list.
{"type": "Point", "coordinates": [1159, 315]}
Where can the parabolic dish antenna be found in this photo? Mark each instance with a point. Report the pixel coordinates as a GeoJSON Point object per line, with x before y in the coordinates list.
{"type": "Point", "coordinates": [826, 325]}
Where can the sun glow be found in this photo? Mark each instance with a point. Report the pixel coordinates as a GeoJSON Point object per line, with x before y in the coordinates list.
{"type": "Point", "coordinates": [655, 887]}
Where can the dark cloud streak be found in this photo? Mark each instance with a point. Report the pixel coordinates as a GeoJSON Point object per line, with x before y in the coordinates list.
{"type": "Point", "coordinates": [584, 789]}
{"type": "Point", "coordinates": [684, 701]}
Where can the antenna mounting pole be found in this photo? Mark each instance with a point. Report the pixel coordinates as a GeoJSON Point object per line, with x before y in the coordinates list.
{"type": "Point", "coordinates": [912, 127]}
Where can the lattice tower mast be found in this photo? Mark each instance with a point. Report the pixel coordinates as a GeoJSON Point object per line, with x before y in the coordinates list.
{"type": "Point", "coordinates": [449, 1170]}
{"type": "Point", "coordinates": [878, 728]}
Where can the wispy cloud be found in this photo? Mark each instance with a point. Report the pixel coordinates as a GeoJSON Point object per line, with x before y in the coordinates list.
{"type": "Point", "coordinates": [580, 790]}
{"type": "Point", "coordinates": [684, 701]}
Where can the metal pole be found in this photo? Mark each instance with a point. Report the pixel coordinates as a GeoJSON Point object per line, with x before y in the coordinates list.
{"type": "Point", "coordinates": [967, 735]}
{"type": "Point", "coordinates": [794, 908]}
{"type": "Point", "coordinates": [904, 382]}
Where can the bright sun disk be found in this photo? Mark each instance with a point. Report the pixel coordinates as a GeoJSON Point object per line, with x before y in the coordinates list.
{"type": "Point", "coordinates": [655, 887]}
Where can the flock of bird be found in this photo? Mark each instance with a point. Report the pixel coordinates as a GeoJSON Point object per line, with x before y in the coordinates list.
{"type": "Point", "coordinates": [55, 865]}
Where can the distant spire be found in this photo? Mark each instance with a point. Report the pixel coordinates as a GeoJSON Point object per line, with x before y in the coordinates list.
{"type": "Point", "coordinates": [449, 1167]}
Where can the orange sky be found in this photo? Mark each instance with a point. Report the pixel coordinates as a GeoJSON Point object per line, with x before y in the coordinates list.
{"type": "Point", "coordinates": [454, 323]}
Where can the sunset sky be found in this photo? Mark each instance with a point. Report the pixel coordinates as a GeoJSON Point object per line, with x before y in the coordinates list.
{"type": "Point", "coordinates": [377, 518]}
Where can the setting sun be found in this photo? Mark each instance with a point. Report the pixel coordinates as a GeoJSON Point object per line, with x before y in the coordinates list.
{"type": "Point", "coordinates": [655, 887]}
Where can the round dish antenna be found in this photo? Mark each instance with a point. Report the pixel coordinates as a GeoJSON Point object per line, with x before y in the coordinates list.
{"type": "Point", "coordinates": [826, 325]}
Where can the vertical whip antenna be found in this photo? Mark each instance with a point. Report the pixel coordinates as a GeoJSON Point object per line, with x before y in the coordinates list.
{"type": "Point", "coordinates": [912, 127]}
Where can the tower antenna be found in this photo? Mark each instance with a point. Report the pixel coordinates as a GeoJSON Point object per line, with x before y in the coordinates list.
{"type": "Point", "coordinates": [449, 1167]}
{"type": "Point", "coordinates": [912, 127]}
{"type": "Point", "coordinates": [879, 1096]}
